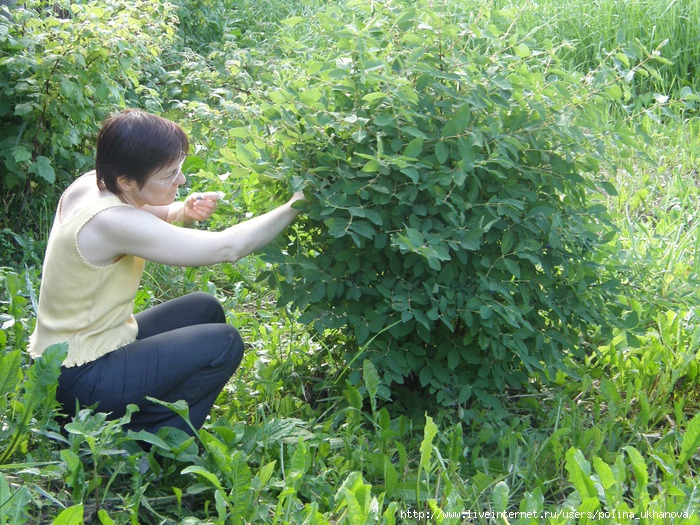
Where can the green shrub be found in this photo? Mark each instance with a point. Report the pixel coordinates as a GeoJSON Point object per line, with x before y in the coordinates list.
{"type": "Point", "coordinates": [455, 218]}
{"type": "Point", "coordinates": [63, 70]}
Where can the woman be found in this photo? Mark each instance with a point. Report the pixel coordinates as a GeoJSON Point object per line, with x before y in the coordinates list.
{"type": "Point", "coordinates": [107, 223]}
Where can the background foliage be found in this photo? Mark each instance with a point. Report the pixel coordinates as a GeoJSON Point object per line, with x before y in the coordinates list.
{"type": "Point", "coordinates": [382, 110]}
{"type": "Point", "coordinates": [63, 70]}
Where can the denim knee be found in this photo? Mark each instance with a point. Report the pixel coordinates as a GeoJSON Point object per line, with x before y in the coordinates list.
{"type": "Point", "coordinates": [232, 354]}
{"type": "Point", "coordinates": [208, 304]}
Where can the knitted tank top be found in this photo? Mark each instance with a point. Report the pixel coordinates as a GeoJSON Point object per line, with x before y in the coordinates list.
{"type": "Point", "coordinates": [89, 307]}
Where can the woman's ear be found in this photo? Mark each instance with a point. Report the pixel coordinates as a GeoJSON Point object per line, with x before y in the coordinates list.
{"type": "Point", "coordinates": [125, 184]}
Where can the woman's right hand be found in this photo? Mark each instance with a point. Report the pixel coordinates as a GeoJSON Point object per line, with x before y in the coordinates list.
{"type": "Point", "coordinates": [298, 196]}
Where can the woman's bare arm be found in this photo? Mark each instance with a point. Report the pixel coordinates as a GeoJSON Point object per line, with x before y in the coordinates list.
{"type": "Point", "coordinates": [122, 230]}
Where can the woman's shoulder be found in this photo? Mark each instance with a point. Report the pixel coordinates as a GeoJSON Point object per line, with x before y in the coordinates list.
{"type": "Point", "coordinates": [82, 194]}
{"type": "Point", "coordinates": [85, 180]}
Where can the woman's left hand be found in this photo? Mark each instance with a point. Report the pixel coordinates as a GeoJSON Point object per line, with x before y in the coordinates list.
{"type": "Point", "coordinates": [200, 206]}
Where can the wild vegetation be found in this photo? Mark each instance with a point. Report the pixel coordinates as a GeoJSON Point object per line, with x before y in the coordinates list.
{"type": "Point", "coordinates": [488, 312]}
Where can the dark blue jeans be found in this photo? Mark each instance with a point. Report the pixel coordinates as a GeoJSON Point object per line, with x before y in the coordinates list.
{"type": "Point", "coordinates": [184, 351]}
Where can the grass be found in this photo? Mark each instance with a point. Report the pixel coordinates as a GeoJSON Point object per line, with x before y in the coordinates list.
{"type": "Point", "coordinates": [295, 438]}
{"type": "Point", "coordinates": [593, 29]}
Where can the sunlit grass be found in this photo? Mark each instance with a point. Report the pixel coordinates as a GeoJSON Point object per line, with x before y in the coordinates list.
{"type": "Point", "coordinates": [593, 29]}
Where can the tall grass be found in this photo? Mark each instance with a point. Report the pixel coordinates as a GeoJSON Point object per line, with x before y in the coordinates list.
{"type": "Point", "coordinates": [658, 209]}
{"type": "Point", "coordinates": [591, 29]}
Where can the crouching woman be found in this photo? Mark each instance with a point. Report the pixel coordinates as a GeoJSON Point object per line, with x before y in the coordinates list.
{"type": "Point", "coordinates": [108, 222]}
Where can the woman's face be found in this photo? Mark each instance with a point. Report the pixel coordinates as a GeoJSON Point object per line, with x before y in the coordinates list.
{"type": "Point", "coordinates": [161, 187]}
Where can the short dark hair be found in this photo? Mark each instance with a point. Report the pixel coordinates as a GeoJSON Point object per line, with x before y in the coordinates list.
{"type": "Point", "coordinates": [136, 144]}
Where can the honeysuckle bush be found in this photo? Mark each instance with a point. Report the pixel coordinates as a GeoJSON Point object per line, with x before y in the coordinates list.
{"type": "Point", "coordinates": [455, 227]}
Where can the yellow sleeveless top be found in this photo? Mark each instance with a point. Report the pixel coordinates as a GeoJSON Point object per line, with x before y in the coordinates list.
{"type": "Point", "coordinates": [90, 307]}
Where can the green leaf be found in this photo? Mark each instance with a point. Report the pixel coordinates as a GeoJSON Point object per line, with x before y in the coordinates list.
{"type": "Point", "coordinates": [301, 462]}
{"type": "Point", "coordinates": [221, 504]}
{"type": "Point", "coordinates": [372, 166]}
{"type": "Point", "coordinates": [10, 371]}
{"type": "Point", "coordinates": [384, 119]}
{"type": "Point", "coordinates": [67, 88]}
{"type": "Point", "coordinates": [459, 124]}
{"type": "Point", "coordinates": [442, 152]}
{"type": "Point", "coordinates": [506, 242]}
{"type": "Point", "coordinates": [42, 167]}
{"type": "Point", "coordinates": [149, 438]}
{"type": "Point", "coordinates": [471, 240]}
{"type": "Point", "coordinates": [363, 228]}
{"type": "Point", "coordinates": [70, 516]}
{"type": "Point", "coordinates": [25, 108]}
{"type": "Point", "coordinates": [104, 517]}
{"type": "Point", "coordinates": [310, 96]}
{"type": "Point", "coordinates": [180, 407]}
{"type": "Point", "coordinates": [283, 430]}
{"type": "Point", "coordinates": [371, 380]}
{"type": "Point", "coordinates": [414, 148]}
{"type": "Point", "coordinates": [353, 495]}
{"type": "Point", "coordinates": [559, 165]}
{"type": "Point", "coordinates": [265, 472]}
{"type": "Point", "coordinates": [608, 483]}
{"type": "Point", "coordinates": [11, 502]}
{"type": "Point", "coordinates": [75, 475]}
{"type": "Point", "coordinates": [639, 468]}
{"type": "Point", "coordinates": [426, 446]}
{"type": "Point", "coordinates": [203, 473]}
{"type": "Point", "coordinates": [513, 267]}
{"type": "Point", "coordinates": [337, 226]}
{"type": "Point", "coordinates": [580, 474]}
{"type": "Point", "coordinates": [373, 97]}
{"type": "Point", "coordinates": [353, 397]}
{"type": "Point", "coordinates": [318, 292]}
{"type": "Point", "coordinates": [499, 496]}
{"type": "Point", "coordinates": [691, 440]}
{"type": "Point", "coordinates": [522, 50]}
{"type": "Point", "coordinates": [374, 217]}
{"type": "Point", "coordinates": [21, 154]}
{"type": "Point", "coordinates": [533, 502]}
{"type": "Point", "coordinates": [610, 392]}
{"type": "Point", "coordinates": [239, 132]}
{"type": "Point", "coordinates": [293, 20]}
{"type": "Point", "coordinates": [240, 479]}
{"type": "Point", "coordinates": [42, 379]}
{"type": "Point", "coordinates": [630, 321]}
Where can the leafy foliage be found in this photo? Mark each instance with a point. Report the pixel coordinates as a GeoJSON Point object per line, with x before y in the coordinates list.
{"type": "Point", "coordinates": [454, 222]}
{"type": "Point", "coordinates": [296, 440]}
{"type": "Point", "coordinates": [60, 76]}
